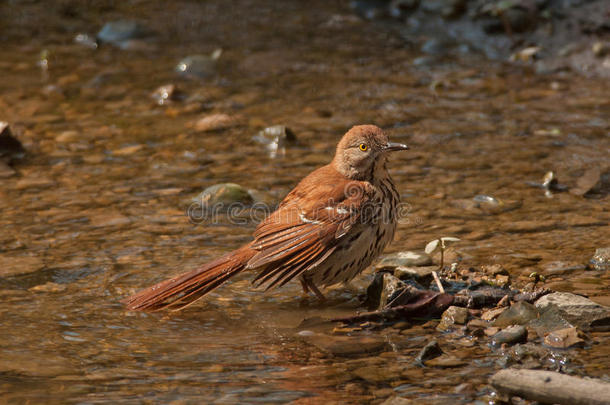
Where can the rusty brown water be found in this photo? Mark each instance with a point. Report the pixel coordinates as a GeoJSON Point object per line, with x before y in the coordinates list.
{"type": "Point", "coordinates": [96, 211]}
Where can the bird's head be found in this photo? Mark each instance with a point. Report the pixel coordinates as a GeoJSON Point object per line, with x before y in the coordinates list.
{"type": "Point", "coordinates": [360, 149]}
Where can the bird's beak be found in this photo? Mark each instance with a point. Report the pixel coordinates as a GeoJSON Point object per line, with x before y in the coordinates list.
{"type": "Point", "coordinates": [393, 146]}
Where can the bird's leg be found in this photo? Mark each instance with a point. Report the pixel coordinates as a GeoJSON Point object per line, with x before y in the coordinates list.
{"type": "Point", "coordinates": [307, 283]}
{"type": "Point", "coordinates": [305, 288]}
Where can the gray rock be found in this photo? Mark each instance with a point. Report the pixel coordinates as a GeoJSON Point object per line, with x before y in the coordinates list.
{"type": "Point", "coordinates": [224, 193]}
{"type": "Point", "coordinates": [404, 259]}
{"type": "Point", "coordinates": [199, 66]}
{"type": "Point", "coordinates": [453, 316]}
{"type": "Point", "coordinates": [511, 335]}
{"type": "Point", "coordinates": [601, 259]}
{"type": "Point", "coordinates": [384, 288]}
{"type": "Point", "coordinates": [121, 31]}
{"type": "Point", "coordinates": [428, 352]}
{"type": "Point", "coordinates": [579, 311]}
{"type": "Point", "coordinates": [520, 313]}
{"type": "Point", "coordinates": [422, 275]}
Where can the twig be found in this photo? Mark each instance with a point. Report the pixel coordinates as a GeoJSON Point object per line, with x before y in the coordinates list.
{"type": "Point", "coordinates": [438, 282]}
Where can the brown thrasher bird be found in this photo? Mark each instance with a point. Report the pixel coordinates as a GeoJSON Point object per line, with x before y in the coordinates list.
{"type": "Point", "coordinates": [328, 229]}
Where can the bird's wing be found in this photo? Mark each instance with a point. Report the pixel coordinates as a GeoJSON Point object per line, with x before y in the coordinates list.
{"type": "Point", "coordinates": [306, 229]}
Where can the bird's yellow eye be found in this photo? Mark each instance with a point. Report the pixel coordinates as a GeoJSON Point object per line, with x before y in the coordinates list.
{"type": "Point", "coordinates": [363, 147]}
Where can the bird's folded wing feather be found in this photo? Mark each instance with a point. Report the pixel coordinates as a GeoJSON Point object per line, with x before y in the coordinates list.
{"type": "Point", "coordinates": [305, 229]}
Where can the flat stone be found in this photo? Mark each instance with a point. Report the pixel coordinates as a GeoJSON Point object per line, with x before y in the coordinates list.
{"type": "Point", "coordinates": [445, 361]}
{"type": "Point", "coordinates": [404, 259]}
{"type": "Point", "coordinates": [346, 346]}
{"type": "Point", "coordinates": [577, 310]}
{"type": "Point", "coordinates": [560, 268]}
{"type": "Point", "coordinates": [511, 335]}
{"type": "Point", "coordinates": [214, 122]}
{"type": "Point", "coordinates": [564, 338]}
{"type": "Point", "coordinates": [378, 374]}
{"type": "Point", "coordinates": [492, 314]}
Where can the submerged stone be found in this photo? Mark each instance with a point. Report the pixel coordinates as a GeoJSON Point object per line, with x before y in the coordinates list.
{"type": "Point", "coordinates": [224, 195]}
{"type": "Point", "coordinates": [10, 147]}
{"type": "Point", "coordinates": [199, 66]}
{"type": "Point", "coordinates": [512, 334]}
{"type": "Point", "coordinates": [120, 31]}
{"type": "Point", "coordinates": [428, 352]}
{"type": "Point", "coordinates": [564, 338]}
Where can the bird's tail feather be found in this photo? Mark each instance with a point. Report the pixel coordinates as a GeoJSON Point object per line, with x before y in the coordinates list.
{"type": "Point", "coordinates": [181, 291]}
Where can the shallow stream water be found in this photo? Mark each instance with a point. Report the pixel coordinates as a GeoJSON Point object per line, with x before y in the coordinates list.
{"type": "Point", "coordinates": [97, 209]}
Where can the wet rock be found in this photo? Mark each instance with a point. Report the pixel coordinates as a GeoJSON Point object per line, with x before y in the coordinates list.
{"type": "Point", "coordinates": [127, 150]}
{"type": "Point", "coordinates": [422, 275]}
{"type": "Point", "coordinates": [214, 122]}
{"type": "Point", "coordinates": [166, 94]}
{"type": "Point", "coordinates": [445, 361]}
{"type": "Point", "coordinates": [550, 319]}
{"type": "Point", "coordinates": [378, 374]}
{"type": "Point", "coordinates": [17, 265]}
{"type": "Point", "coordinates": [520, 313]}
{"type": "Point", "coordinates": [494, 269]}
{"type": "Point", "coordinates": [428, 352]}
{"type": "Point", "coordinates": [223, 195]}
{"type": "Point", "coordinates": [453, 316]}
{"type": "Point", "coordinates": [85, 40]}
{"type": "Point", "coordinates": [510, 335]}
{"type": "Point", "coordinates": [601, 259]}
{"type": "Point", "coordinates": [564, 338]}
{"type": "Point", "coordinates": [561, 268]}
{"type": "Point", "coordinates": [590, 182]}
{"type": "Point", "coordinates": [579, 311]}
{"type": "Point", "coordinates": [404, 259]}
{"type": "Point", "coordinates": [492, 314]}
{"type": "Point", "coordinates": [10, 147]}
{"type": "Point", "coordinates": [49, 287]}
{"type": "Point", "coordinates": [346, 346]}
{"type": "Point", "coordinates": [275, 138]}
{"type": "Point", "coordinates": [530, 226]}
{"type": "Point", "coordinates": [397, 401]}
{"type": "Point", "coordinates": [67, 136]}
{"type": "Point", "coordinates": [120, 32]}
{"type": "Point", "coordinates": [384, 288]}
{"type": "Point", "coordinates": [199, 66]}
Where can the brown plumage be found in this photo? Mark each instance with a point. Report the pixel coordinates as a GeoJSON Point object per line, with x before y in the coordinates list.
{"type": "Point", "coordinates": [328, 229]}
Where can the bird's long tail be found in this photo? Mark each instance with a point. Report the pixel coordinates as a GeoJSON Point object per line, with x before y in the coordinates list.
{"type": "Point", "coordinates": [181, 291]}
